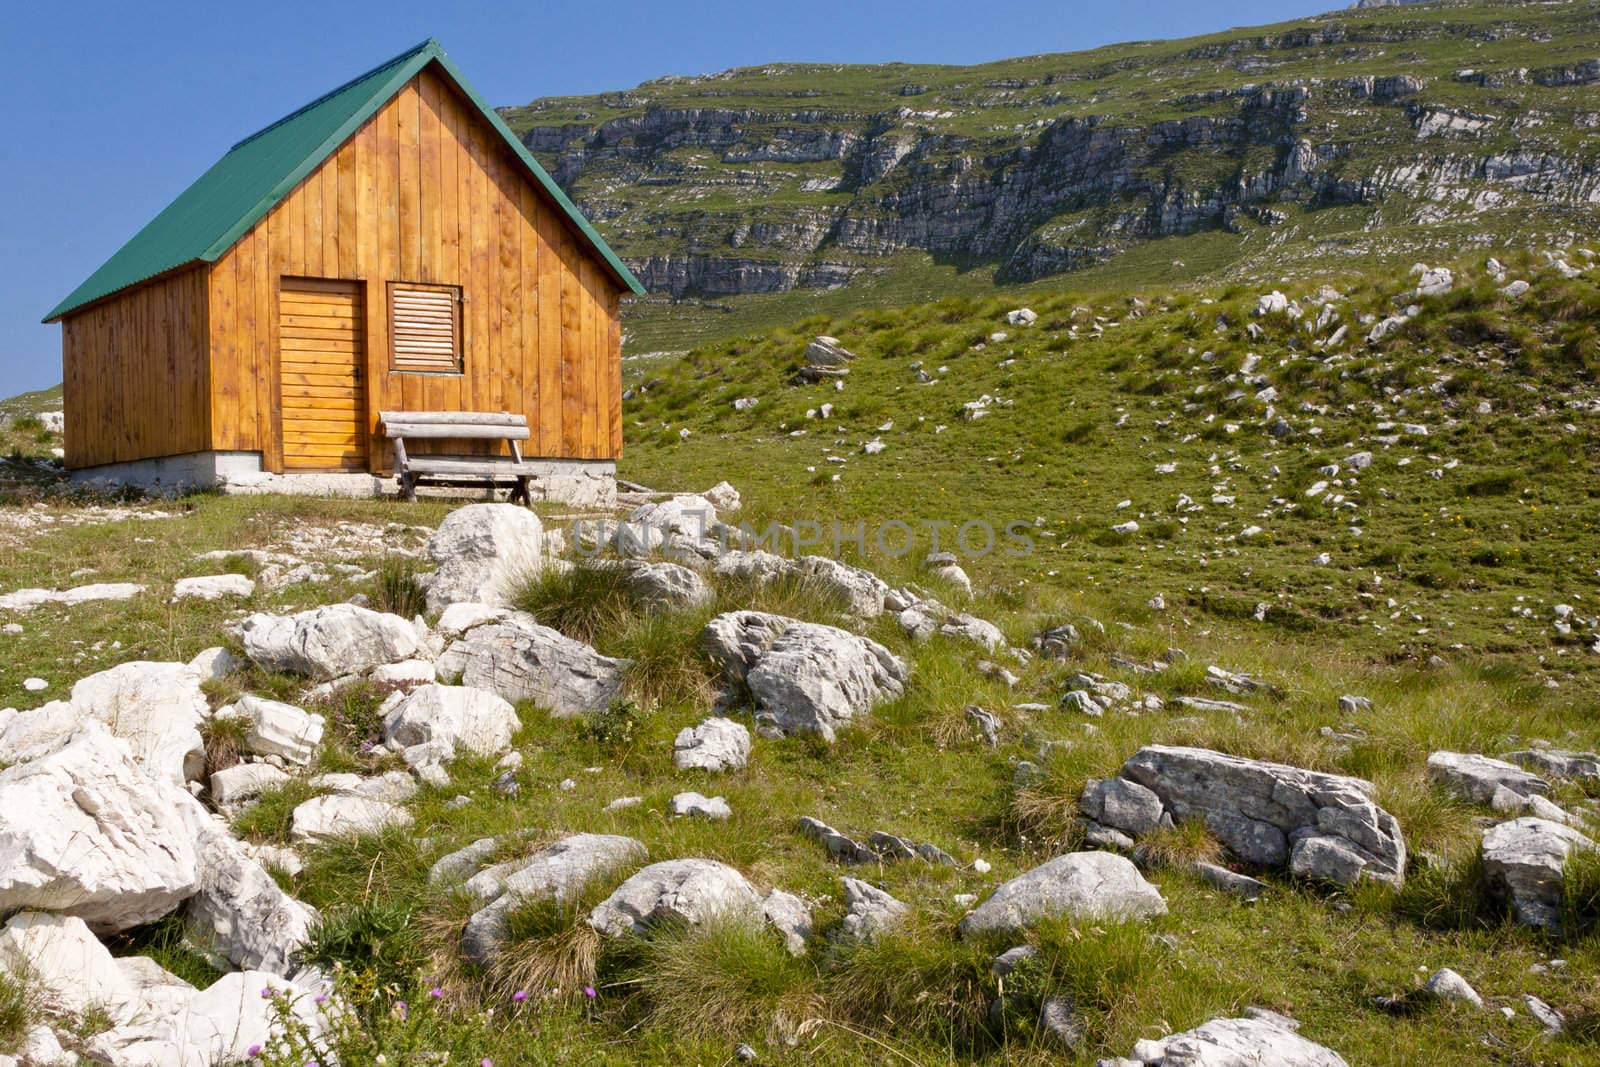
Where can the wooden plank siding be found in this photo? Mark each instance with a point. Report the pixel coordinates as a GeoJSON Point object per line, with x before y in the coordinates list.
{"type": "Point", "coordinates": [136, 373]}
{"type": "Point", "coordinates": [423, 192]}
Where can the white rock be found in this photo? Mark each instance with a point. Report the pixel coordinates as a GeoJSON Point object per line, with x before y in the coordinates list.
{"type": "Point", "coordinates": [63, 964]}
{"type": "Point", "coordinates": [715, 745]}
{"type": "Point", "coordinates": [869, 910]}
{"type": "Point", "coordinates": [1448, 985]}
{"type": "Point", "coordinates": [332, 818]}
{"type": "Point", "coordinates": [458, 717]}
{"type": "Point", "coordinates": [1021, 317]}
{"type": "Point", "coordinates": [790, 916]}
{"type": "Point", "coordinates": [157, 708]}
{"type": "Point", "coordinates": [232, 786]}
{"type": "Point", "coordinates": [700, 806]}
{"type": "Point", "coordinates": [559, 871]}
{"type": "Point", "coordinates": [28, 599]}
{"type": "Point", "coordinates": [1477, 777]}
{"type": "Point", "coordinates": [278, 729]}
{"type": "Point", "coordinates": [88, 833]}
{"type": "Point", "coordinates": [687, 891]}
{"type": "Point", "coordinates": [1435, 281]}
{"type": "Point", "coordinates": [482, 553]}
{"type": "Point", "coordinates": [1097, 886]}
{"type": "Point", "coordinates": [213, 587]}
{"type": "Point", "coordinates": [239, 914]}
{"type": "Point", "coordinates": [215, 664]}
{"type": "Point", "coordinates": [328, 642]}
{"type": "Point", "coordinates": [521, 660]}
{"type": "Point", "coordinates": [405, 673]}
{"type": "Point", "coordinates": [1525, 860]}
{"type": "Point", "coordinates": [804, 677]}
{"type": "Point", "coordinates": [1236, 1043]}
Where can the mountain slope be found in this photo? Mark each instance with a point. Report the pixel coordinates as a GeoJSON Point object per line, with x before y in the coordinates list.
{"type": "Point", "coordinates": [1369, 135]}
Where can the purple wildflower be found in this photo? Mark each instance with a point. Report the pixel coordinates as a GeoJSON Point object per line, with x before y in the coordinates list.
{"type": "Point", "coordinates": [436, 992]}
{"type": "Point", "coordinates": [519, 996]}
{"type": "Point", "coordinates": [588, 991]}
{"type": "Point", "coordinates": [253, 1051]}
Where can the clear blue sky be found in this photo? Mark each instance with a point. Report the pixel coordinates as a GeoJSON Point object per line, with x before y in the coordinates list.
{"type": "Point", "coordinates": [112, 109]}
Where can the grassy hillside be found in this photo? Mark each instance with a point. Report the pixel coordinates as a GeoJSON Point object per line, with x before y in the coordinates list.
{"type": "Point", "coordinates": [1445, 560]}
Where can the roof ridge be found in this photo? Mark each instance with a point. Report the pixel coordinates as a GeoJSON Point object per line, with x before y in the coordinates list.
{"type": "Point", "coordinates": [380, 68]}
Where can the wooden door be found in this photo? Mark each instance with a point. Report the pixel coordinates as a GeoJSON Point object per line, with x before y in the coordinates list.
{"type": "Point", "coordinates": [322, 353]}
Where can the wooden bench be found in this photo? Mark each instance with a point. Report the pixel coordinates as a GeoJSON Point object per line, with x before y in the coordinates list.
{"type": "Point", "coordinates": [459, 470]}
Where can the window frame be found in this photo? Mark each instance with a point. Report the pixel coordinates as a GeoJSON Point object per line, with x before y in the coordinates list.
{"type": "Point", "coordinates": [458, 328]}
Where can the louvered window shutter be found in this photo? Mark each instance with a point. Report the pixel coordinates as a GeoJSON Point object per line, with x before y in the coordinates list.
{"type": "Point", "coordinates": [425, 327]}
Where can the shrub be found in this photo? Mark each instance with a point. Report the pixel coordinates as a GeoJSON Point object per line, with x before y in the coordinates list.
{"type": "Point", "coordinates": [614, 727]}
{"type": "Point", "coordinates": [583, 602]}
{"type": "Point", "coordinates": [376, 935]}
{"type": "Point", "coordinates": [397, 590]}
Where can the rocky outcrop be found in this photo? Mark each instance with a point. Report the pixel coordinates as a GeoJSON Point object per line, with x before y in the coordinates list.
{"type": "Point", "coordinates": [1087, 178]}
{"type": "Point", "coordinates": [328, 642]}
{"type": "Point", "coordinates": [521, 660]}
{"type": "Point", "coordinates": [714, 745]}
{"type": "Point", "coordinates": [87, 833]}
{"type": "Point", "coordinates": [238, 915]}
{"type": "Point", "coordinates": [482, 552]}
{"type": "Point", "coordinates": [1524, 862]}
{"type": "Point", "coordinates": [559, 871]}
{"type": "Point", "coordinates": [686, 891]}
{"type": "Point", "coordinates": [1320, 826]}
{"type": "Point", "coordinates": [1093, 886]}
{"type": "Point", "coordinates": [803, 677]}
{"type": "Point", "coordinates": [440, 720]}
{"type": "Point", "coordinates": [1263, 1039]}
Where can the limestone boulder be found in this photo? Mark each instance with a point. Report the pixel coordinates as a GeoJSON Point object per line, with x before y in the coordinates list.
{"type": "Point", "coordinates": [459, 717]}
{"type": "Point", "coordinates": [1097, 886]}
{"type": "Point", "coordinates": [1477, 778]}
{"type": "Point", "coordinates": [220, 1024]}
{"type": "Point", "coordinates": [687, 891]}
{"type": "Point", "coordinates": [63, 964]}
{"type": "Point", "coordinates": [558, 871]}
{"type": "Point", "coordinates": [157, 708]}
{"type": "Point", "coordinates": [87, 832]}
{"type": "Point", "coordinates": [521, 660]}
{"type": "Point", "coordinates": [1321, 826]}
{"type": "Point", "coordinates": [482, 553]}
{"type": "Point", "coordinates": [330, 818]}
{"type": "Point", "coordinates": [239, 915]}
{"type": "Point", "coordinates": [328, 642]}
{"type": "Point", "coordinates": [803, 677]}
{"type": "Point", "coordinates": [1524, 862]}
{"type": "Point", "coordinates": [665, 586]}
{"type": "Point", "coordinates": [279, 729]}
{"type": "Point", "coordinates": [715, 745]}
{"type": "Point", "coordinates": [870, 911]}
{"type": "Point", "coordinates": [1236, 1043]}
{"type": "Point", "coordinates": [213, 587]}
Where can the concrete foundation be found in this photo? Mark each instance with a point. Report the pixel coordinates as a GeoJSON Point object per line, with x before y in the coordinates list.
{"type": "Point", "coordinates": [584, 483]}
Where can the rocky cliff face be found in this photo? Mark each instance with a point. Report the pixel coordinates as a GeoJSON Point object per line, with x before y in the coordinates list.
{"type": "Point", "coordinates": [762, 180]}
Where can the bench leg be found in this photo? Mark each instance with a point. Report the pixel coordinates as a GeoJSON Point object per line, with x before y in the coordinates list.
{"type": "Point", "coordinates": [408, 487]}
{"type": "Point", "coordinates": [519, 494]}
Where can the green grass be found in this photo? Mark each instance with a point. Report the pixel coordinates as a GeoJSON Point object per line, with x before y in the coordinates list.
{"type": "Point", "coordinates": [1090, 420]}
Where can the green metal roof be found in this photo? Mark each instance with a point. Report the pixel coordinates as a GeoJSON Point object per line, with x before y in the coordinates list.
{"type": "Point", "coordinates": [241, 187]}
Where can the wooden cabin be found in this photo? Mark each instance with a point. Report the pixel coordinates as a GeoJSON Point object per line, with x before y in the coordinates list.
{"type": "Point", "coordinates": [390, 246]}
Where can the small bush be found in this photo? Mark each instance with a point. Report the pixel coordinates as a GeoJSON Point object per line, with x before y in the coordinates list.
{"type": "Point", "coordinates": [614, 727]}
{"type": "Point", "coordinates": [397, 590]}
{"type": "Point", "coordinates": [1186, 843]}
{"type": "Point", "coordinates": [1580, 894]}
{"type": "Point", "coordinates": [377, 935]}
{"type": "Point", "coordinates": [582, 602]}
{"type": "Point", "coordinates": [224, 741]}
{"type": "Point", "coordinates": [16, 1007]}
{"type": "Point", "coordinates": [723, 980]}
